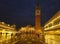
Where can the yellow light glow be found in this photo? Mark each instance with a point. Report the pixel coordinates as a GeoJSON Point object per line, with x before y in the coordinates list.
{"type": "Point", "coordinates": [8, 25]}
{"type": "Point", "coordinates": [10, 32]}
{"type": "Point", "coordinates": [2, 22]}
{"type": "Point", "coordinates": [52, 21]}
{"type": "Point", "coordinates": [3, 31]}
{"type": "Point", "coordinates": [52, 27]}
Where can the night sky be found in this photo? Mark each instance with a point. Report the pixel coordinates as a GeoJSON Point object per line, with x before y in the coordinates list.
{"type": "Point", "coordinates": [22, 12]}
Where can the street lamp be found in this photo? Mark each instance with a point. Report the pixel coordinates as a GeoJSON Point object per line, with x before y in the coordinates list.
{"type": "Point", "coordinates": [2, 22]}
{"type": "Point", "coordinates": [8, 25]}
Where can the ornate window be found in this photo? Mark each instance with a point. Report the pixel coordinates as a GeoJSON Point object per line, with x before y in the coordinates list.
{"type": "Point", "coordinates": [50, 25]}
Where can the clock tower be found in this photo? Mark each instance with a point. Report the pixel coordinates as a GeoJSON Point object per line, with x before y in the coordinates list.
{"type": "Point", "coordinates": [37, 18]}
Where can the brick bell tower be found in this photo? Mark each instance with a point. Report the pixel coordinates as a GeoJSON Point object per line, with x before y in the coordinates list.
{"type": "Point", "coordinates": [37, 18]}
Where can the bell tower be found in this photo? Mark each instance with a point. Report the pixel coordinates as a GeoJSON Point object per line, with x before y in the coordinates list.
{"type": "Point", "coordinates": [37, 18]}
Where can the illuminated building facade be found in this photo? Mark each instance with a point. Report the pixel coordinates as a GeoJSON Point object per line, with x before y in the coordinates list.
{"type": "Point", "coordinates": [52, 30]}
{"type": "Point", "coordinates": [27, 32]}
{"type": "Point", "coordinates": [6, 31]}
